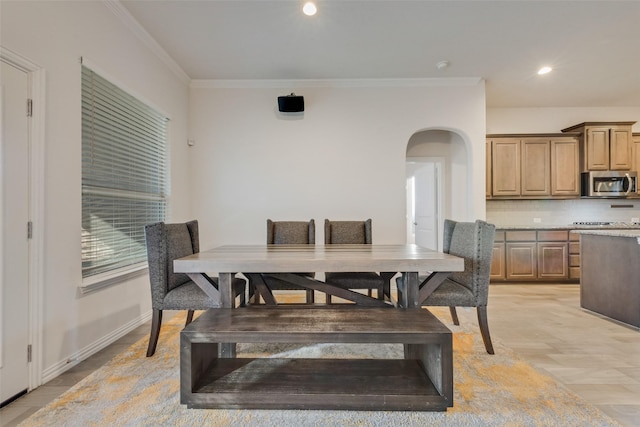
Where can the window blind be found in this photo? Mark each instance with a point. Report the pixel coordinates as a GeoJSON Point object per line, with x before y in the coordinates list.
{"type": "Point", "coordinates": [124, 174]}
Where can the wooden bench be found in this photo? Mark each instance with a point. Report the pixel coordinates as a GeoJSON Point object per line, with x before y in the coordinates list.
{"type": "Point", "coordinates": [423, 380]}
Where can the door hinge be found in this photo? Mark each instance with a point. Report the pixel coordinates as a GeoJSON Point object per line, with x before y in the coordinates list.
{"type": "Point", "coordinates": [29, 230]}
{"type": "Point", "coordinates": [29, 353]}
{"type": "Point", "coordinates": [29, 107]}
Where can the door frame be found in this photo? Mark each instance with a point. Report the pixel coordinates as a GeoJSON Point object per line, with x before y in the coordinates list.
{"type": "Point", "coordinates": [440, 171]}
{"type": "Point", "coordinates": [36, 92]}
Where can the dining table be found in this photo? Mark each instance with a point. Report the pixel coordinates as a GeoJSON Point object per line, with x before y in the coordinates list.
{"type": "Point", "coordinates": [265, 263]}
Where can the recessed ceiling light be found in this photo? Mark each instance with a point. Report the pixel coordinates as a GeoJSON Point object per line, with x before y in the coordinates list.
{"type": "Point", "coordinates": [309, 8]}
{"type": "Point", "coordinates": [544, 70]}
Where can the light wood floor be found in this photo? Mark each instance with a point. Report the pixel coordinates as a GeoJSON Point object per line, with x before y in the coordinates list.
{"type": "Point", "coordinates": [597, 359]}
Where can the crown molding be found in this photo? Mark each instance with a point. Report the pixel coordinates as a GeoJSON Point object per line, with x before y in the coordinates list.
{"type": "Point", "coordinates": [333, 83]}
{"type": "Point", "coordinates": [134, 26]}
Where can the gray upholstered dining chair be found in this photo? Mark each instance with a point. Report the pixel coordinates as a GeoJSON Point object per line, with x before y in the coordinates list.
{"type": "Point", "coordinates": [472, 241]}
{"type": "Point", "coordinates": [352, 232]}
{"type": "Point", "coordinates": [291, 233]}
{"type": "Point", "coordinates": [176, 291]}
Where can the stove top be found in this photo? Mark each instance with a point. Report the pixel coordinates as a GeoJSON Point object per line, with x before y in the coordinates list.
{"type": "Point", "coordinates": [593, 223]}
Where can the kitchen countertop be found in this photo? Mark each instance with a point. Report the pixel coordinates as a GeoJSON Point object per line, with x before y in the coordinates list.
{"type": "Point", "coordinates": [611, 233]}
{"type": "Point", "coordinates": [615, 226]}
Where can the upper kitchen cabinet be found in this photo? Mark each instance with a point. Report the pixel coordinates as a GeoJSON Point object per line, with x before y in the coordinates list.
{"type": "Point", "coordinates": [635, 152]}
{"type": "Point", "coordinates": [532, 166]}
{"type": "Point", "coordinates": [604, 145]}
{"type": "Point", "coordinates": [565, 169]}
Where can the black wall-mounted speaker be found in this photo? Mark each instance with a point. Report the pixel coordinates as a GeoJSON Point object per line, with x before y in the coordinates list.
{"type": "Point", "coordinates": [291, 103]}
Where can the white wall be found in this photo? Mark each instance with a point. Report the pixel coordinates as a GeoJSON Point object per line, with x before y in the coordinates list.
{"type": "Point", "coordinates": [344, 158]}
{"type": "Point", "coordinates": [552, 120]}
{"type": "Point", "coordinates": [558, 212]}
{"type": "Point", "coordinates": [55, 35]}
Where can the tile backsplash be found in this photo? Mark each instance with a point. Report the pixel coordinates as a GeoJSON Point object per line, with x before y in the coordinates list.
{"type": "Point", "coordinates": [561, 212]}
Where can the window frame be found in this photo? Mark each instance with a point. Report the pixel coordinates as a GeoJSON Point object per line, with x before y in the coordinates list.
{"type": "Point", "coordinates": [92, 281]}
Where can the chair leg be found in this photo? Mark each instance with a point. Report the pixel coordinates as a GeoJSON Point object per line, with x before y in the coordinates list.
{"type": "Point", "coordinates": [156, 321]}
{"type": "Point", "coordinates": [328, 299]}
{"type": "Point", "coordinates": [243, 299]}
{"type": "Point", "coordinates": [484, 328]}
{"type": "Point", "coordinates": [311, 296]}
{"type": "Point", "coordinates": [189, 317]}
{"type": "Point", "coordinates": [454, 315]}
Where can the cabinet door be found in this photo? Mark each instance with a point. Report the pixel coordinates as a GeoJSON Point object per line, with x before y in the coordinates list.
{"type": "Point", "coordinates": [505, 166]}
{"type": "Point", "coordinates": [565, 167]}
{"type": "Point", "coordinates": [635, 153]}
{"type": "Point", "coordinates": [597, 149]}
{"type": "Point", "coordinates": [620, 148]}
{"type": "Point", "coordinates": [535, 161]}
{"type": "Point", "coordinates": [498, 262]}
{"type": "Point", "coordinates": [522, 263]}
{"type": "Point", "coordinates": [488, 168]}
{"type": "Point", "coordinates": [553, 260]}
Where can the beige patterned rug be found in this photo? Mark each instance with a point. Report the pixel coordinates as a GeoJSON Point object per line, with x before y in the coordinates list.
{"type": "Point", "coordinates": [498, 390]}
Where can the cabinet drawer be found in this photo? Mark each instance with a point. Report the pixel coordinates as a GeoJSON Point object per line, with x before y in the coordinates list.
{"type": "Point", "coordinates": [574, 237]}
{"type": "Point", "coordinates": [520, 236]}
{"type": "Point", "coordinates": [574, 260]}
{"type": "Point", "coordinates": [574, 272]}
{"type": "Point", "coordinates": [553, 236]}
{"type": "Point", "coordinates": [499, 236]}
{"type": "Point", "coordinates": [574, 248]}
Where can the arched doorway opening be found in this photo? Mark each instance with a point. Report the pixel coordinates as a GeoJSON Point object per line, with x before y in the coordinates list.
{"type": "Point", "coordinates": [437, 172]}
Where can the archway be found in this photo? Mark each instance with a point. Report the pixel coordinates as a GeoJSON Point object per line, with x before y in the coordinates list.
{"type": "Point", "coordinates": [438, 172]}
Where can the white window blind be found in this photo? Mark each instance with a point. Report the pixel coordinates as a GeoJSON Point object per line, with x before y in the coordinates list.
{"type": "Point", "coordinates": [124, 176]}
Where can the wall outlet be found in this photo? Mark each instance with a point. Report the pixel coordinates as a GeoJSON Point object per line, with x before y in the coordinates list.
{"type": "Point", "coordinates": [537, 220]}
{"type": "Point", "coordinates": [635, 219]}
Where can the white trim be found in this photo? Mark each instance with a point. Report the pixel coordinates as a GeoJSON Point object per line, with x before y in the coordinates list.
{"type": "Point", "coordinates": [334, 83]}
{"type": "Point", "coordinates": [36, 81]}
{"type": "Point", "coordinates": [77, 357]}
{"type": "Point", "coordinates": [138, 30]}
{"type": "Point", "coordinates": [99, 281]}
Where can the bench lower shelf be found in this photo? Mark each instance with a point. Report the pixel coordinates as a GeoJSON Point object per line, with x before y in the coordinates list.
{"type": "Point", "coordinates": [375, 384]}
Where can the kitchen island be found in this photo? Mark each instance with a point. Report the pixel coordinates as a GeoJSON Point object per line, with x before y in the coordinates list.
{"type": "Point", "coordinates": [610, 274]}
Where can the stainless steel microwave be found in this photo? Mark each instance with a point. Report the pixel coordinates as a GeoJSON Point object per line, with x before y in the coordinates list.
{"type": "Point", "coordinates": [609, 183]}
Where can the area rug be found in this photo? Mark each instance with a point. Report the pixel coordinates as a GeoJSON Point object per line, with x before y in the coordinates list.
{"type": "Point", "coordinates": [489, 390]}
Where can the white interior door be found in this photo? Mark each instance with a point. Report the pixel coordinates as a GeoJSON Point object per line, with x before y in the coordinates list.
{"type": "Point", "coordinates": [14, 248]}
{"type": "Point", "coordinates": [425, 177]}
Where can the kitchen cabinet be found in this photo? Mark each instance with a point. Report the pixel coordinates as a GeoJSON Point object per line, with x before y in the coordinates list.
{"type": "Point", "coordinates": [574, 256]}
{"type": "Point", "coordinates": [604, 145]}
{"type": "Point", "coordinates": [488, 157]}
{"type": "Point", "coordinates": [535, 162]}
{"type": "Point", "coordinates": [505, 167]}
{"type": "Point", "coordinates": [635, 152]}
{"type": "Point", "coordinates": [498, 259]}
{"type": "Point", "coordinates": [553, 260]}
{"type": "Point", "coordinates": [530, 256]}
{"type": "Point", "coordinates": [532, 166]}
{"type": "Point", "coordinates": [565, 167]}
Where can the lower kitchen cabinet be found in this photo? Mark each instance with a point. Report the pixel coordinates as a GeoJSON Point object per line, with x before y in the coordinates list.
{"type": "Point", "coordinates": [574, 256]}
{"type": "Point", "coordinates": [498, 259]}
{"type": "Point", "coordinates": [531, 256]}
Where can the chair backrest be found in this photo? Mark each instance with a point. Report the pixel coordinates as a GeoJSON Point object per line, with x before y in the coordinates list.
{"type": "Point", "coordinates": [166, 242]}
{"type": "Point", "coordinates": [291, 232]}
{"type": "Point", "coordinates": [347, 232]}
{"type": "Point", "coordinates": [472, 241]}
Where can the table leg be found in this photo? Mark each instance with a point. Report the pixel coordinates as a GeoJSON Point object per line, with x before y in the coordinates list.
{"type": "Point", "coordinates": [410, 292]}
{"type": "Point", "coordinates": [225, 280]}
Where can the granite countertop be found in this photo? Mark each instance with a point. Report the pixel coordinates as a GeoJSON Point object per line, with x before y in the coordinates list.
{"type": "Point", "coordinates": [631, 232]}
{"type": "Point", "coordinates": [616, 226]}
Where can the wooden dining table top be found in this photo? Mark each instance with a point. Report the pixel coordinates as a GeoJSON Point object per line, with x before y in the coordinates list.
{"type": "Point", "coordinates": [318, 258]}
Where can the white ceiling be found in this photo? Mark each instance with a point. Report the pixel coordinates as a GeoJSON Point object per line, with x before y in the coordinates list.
{"type": "Point", "coordinates": [593, 46]}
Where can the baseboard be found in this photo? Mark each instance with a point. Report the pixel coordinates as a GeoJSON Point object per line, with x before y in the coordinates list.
{"type": "Point", "coordinates": [64, 365]}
